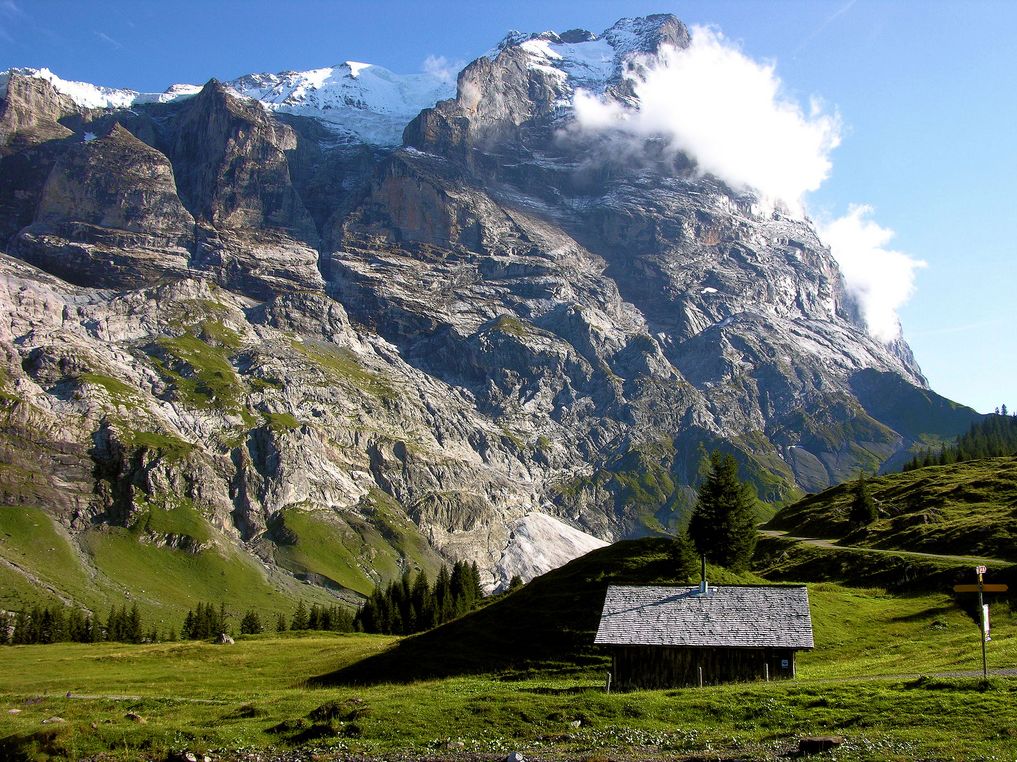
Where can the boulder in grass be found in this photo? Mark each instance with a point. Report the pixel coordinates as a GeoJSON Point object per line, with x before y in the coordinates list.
{"type": "Point", "coordinates": [224, 639]}
{"type": "Point", "coordinates": [818, 744]}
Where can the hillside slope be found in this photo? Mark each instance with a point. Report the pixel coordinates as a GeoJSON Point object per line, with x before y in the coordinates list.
{"type": "Point", "coordinates": [967, 509]}
{"type": "Point", "coordinates": [548, 625]}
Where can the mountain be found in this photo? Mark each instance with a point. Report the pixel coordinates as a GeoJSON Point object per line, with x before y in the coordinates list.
{"type": "Point", "coordinates": [249, 318]}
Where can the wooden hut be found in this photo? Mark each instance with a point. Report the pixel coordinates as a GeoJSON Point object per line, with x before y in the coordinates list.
{"type": "Point", "coordinates": [666, 637]}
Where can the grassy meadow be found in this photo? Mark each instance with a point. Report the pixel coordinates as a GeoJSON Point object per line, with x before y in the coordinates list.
{"type": "Point", "coordinates": [41, 564]}
{"type": "Point", "coordinates": [861, 681]}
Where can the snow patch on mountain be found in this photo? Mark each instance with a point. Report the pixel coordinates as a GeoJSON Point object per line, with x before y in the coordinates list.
{"type": "Point", "coordinates": [358, 100]}
{"type": "Point", "coordinates": [366, 101]}
{"type": "Point", "coordinates": [87, 95]}
{"type": "Point", "coordinates": [537, 544]}
{"type": "Point", "coordinates": [590, 61]}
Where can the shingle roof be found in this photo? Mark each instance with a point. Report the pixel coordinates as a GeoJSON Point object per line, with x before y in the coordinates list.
{"type": "Point", "coordinates": [727, 616]}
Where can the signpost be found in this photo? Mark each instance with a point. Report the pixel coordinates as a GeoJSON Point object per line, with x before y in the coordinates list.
{"type": "Point", "coordinates": [983, 609]}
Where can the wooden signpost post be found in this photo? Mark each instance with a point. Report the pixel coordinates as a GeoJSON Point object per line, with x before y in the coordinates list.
{"type": "Point", "coordinates": [983, 610]}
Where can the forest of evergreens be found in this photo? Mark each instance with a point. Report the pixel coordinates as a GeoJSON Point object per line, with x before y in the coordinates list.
{"type": "Point", "coordinates": [54, 624]}
{"type": "Point", "coordinates": [995, 436]}
{"type": "Point", "coordinates": [413, 605]}
{"type": "Point", "coordinates": [408, 605]}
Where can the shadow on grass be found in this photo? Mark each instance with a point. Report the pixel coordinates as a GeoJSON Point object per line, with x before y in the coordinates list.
{"type": "Point", "coordinates": [963, 684]}
{"type": "Point", "coordinates": [917, 616]}
{"type": "Point", "coordinates": [40, 744]}
{"type": "Point", "coordinates": [547, 625]}
{"type": "Point", "coordinates": [575, 690]}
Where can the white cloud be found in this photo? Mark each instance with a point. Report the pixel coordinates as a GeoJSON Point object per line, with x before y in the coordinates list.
{"type": "Point", "coordinates": [108, 40]}
{"type": "Point", "coordinates": [731, 116]}
{"type": "Point", "coordinates": [727, 112]}
{"type": "Point", "coordinates": [442, 68]}
{"type": "Point", "coordinates": [881, 278]}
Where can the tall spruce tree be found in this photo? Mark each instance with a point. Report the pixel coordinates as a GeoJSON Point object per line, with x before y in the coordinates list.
{"type": "Point", "coordinates": [301, 619]}
{"type": "Point", "coordinates": [251, 623]}
{"type": "Point", "coordinates": [723, 524]}
{"type": "Point", "coordinates": [683, 555]}
{"type": "Point", "coordinates": [863, 509]}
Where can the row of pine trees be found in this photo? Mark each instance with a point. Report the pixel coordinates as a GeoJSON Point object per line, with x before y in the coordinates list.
{"type": "Point", "coordinates": [55, 624]}
{"type": "Point", "coordinates": [411, 604]}
{"type": "Point", "coordinates": [995, 436]}
{"type": "Point", "coordinates": [207, 622]}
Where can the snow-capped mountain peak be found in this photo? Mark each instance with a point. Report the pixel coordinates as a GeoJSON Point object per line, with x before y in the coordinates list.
{"type": "Point", "coordinates": [87, 95]}
{"type": "Point", "coordinates": [358, 100]}
{"type": "Point", "coordinates": [364, 100]}
{"type": "Point", "coordinates": [594, 61]}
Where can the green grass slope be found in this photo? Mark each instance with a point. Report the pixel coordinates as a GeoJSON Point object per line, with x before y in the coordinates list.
{"type": "Point", "coordinates": [967, 509]}
{"type": "Point", "coordinates": [40, 563]}
{"type": "Point", "coordinates": [548, 624]}
{"type": "Point", "coordinates": [522, 675]}
{"type": "Point", "coordinates": [351, 551]}
{"type": "Point", "coordinates": [190, 698]}
{"type": "Point", "coordinates": [922, 417]}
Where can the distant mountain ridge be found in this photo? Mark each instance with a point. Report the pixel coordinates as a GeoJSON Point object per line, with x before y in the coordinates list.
{"type": "Point", "coordinates": [279, 333]}
{"type": "Point", "coordinates": [371, 104]}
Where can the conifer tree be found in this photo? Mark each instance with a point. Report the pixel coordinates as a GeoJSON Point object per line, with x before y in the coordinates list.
{"type": "Point", "coordinates": [423, 606]}
{"type": "Point", "coordinates": [723, 524]}
{"type": "Point", "coordinates": [683, 556]}
{"type": "Point", "coordinates": [20, 633]}
{"type": "Point", "coordinates": [300, 617]}
{"type": "Point", "coordinates": [443, 596]}
{"type": "Point", "coordinates": [863, 509]}
{"type": "Point", "coordinates": [478, 588]}
{"type": "Point", "coordinates": [458, 587]}
{"type": "Point", "coordinates": [221, 625]}
{"type": "Point", "coordinates": [76, 626]}
{"type": "Point", "coordinates": [132, 625]}
{"type": "Point", "coordinates": [251, 623]}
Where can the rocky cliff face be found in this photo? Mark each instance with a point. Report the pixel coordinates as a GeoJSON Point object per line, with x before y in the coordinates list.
{"type": "Point", "coordinates": [109, 216]}
{"type": "Point", "coordinates": [406, 351]}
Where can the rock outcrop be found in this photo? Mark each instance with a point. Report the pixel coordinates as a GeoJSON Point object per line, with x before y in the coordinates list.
{"type": "Point", "coordinates": [109, 217]}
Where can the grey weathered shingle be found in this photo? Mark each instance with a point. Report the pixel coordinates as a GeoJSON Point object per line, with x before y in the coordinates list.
{"type": "Point", "coordinates": [728, 616]}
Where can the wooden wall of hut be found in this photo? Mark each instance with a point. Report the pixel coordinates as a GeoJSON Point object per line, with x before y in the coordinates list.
{"type": "Point", "coordinates": [635, 667]}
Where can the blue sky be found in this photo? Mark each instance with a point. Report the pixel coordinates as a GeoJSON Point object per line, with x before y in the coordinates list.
{"type": "Point", "coordinates": [925, 91]}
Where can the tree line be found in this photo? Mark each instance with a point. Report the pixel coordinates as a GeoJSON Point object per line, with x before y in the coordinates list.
{"type": "Point", "coordinates": [994, 436]}
{"type": "Point", "coordinates": [410, 604]}
{"type": "Point", "coordinates": [55, 624]}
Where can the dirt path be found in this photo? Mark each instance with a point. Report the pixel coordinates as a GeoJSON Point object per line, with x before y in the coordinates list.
{"type": "Point", "coordinates": [125, 697]}
{"type": "Point", "coordinates": [831, 545]}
